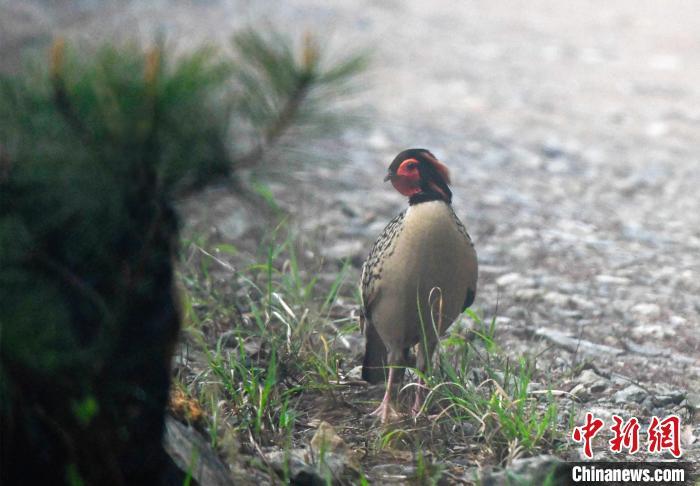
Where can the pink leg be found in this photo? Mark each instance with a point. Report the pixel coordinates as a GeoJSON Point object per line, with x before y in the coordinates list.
{"type": "Point", "coordinates": [423, 363]}
{"type": "Point", "coordinates": [385, 410]}
{"type": "Point", "coordinates": [418, 402]}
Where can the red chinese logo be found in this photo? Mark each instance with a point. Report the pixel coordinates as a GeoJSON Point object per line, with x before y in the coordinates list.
{"type": "Point", "coordinates": [662, 435]}
{"type": "Point", "coordinates": [665, 435]}
{"type": "Point", "coordinates": [586, 432]}
{"type": "Point", "coordinates": [626, 435]}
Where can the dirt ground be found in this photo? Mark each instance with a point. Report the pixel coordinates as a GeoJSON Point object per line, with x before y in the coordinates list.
{"type": "Point", "coordinates": [571, 130]}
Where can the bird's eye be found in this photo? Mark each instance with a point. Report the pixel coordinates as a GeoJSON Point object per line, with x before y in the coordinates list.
{"type": "Point", "coordinates": [411, 165]}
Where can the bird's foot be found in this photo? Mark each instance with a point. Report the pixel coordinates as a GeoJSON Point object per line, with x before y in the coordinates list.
{"type": "Point", "coordinates": [386, 412]}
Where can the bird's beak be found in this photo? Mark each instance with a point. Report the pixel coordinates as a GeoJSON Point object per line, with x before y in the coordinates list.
{"type": "Point", "coordinates": [389, 176]}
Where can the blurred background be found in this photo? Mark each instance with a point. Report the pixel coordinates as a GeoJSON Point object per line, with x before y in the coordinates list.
{"type": "Point", "coordinates": [570, 129]}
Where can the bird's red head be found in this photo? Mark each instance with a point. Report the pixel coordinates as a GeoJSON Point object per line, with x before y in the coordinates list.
{"type": "Point", "coordinates": [416, 173]}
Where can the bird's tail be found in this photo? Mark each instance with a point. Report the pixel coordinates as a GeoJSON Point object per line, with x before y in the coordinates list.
{"type": "Point", "coordinates": [373, 365]}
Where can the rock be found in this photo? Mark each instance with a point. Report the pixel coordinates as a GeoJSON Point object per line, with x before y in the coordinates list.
{"type": "Point", "coordinates": [612, 280]}
{"type": "Point", "coordinates": [631, 394]}
{"type": "Point", "coordinates": [183, 444]}
{"type": "Point", "coordinates": [508, 279]}
{"type": "Point", "coordinates": [588, 377]}
{"type": "Point", "coordinates": [532, 470]}
{"type": "Point", "coordinates": [355, 373]}
{"type": "Point", "coordinates": [656, 331]}
{"type": "Point", "coordinates": [293, 462]}
{"type": "Point", "coordinates": [392, 473]}
{"type": "Point", "coordinates": [670, 398]}
{"type": "Point", "coordinates": [580, 392]}
{"type": "Point", "coordinates": [678, 321]}
{"type": "Point", "coordinates": [524, 295]}
{"type": "Point", "coordinates": [592, 381]}
{"type": "Point", "coordinates": [693, 399]}
{"type": "Point", "coordinates": [328, 457]}
{"type": "Point", "coordinates": [378, 140]}
{"type": "Point", "coordinates": [646, 310]}
{"type": "Point", "coordinates": [599, 386]}
{"type": "Point", "coordinates": [645, 349]}
{"type": "Point", "coordinates": [687, 435]}
{"type": "Point", "coordinates": [353, 249]}
{"type": "Point", "coordinates": [327, 440]}
{"type": "Point", "coordinates": [556, 299]}
{"type": "Point", "coordinates": [237, 223]}
{"type": "Point", "coordinates": [577, 345]}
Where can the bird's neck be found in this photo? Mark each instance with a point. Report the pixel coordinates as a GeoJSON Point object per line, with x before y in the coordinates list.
{"type": "Point", "coordinates": [427, 196]}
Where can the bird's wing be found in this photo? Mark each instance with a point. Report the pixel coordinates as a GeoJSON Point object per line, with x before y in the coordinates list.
{"type": "Point", "coordinates": [375, 358]}
{"type": "Point", "coordinates": [372, 268]}
{"type": "Point", "coordinates": [471, 262]}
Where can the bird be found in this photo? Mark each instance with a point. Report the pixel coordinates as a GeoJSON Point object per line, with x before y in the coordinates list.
{"type": "Point", "coordinates": [420, 275]}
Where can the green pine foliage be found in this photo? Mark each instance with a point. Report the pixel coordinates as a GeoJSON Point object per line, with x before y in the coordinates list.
{"type": "Point", "coordinates": [95, 144]}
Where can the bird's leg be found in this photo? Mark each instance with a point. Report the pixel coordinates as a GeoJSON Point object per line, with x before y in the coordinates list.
{"type": "Point", "coordinates": [418, 400]}
{"type": "Point", "coordinates": [385, 410]}
{"type": "Point", "coordinates": [423, 361]}
{"type": "Point", "coordinates": [424, 354]}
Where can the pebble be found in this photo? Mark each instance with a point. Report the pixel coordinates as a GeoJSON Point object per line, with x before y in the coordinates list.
{"type": "Point", "coordinates": [646, 310]}
{"type": "Point", "coordinates": [632, 393]}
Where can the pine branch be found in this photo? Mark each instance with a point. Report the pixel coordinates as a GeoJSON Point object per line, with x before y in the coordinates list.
{"type": "Point", "coordinates": [279, 91]}
{"type": "Point", "coordinates": [278, 127]}
{"type": "Point", "coordinates": [60, 93]}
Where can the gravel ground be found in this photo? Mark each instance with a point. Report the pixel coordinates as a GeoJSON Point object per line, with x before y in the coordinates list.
{"type": "Point", "coordinates": [571, 129]}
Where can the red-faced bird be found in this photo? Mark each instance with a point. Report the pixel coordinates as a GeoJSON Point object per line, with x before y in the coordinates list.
{"type": "Point", "coordinates": [420, 275]}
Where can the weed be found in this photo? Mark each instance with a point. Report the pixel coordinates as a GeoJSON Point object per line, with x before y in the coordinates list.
{"type": "Point", "coordinates": [267, 335]}
{"type": "Point", "coordinates": [475, 382]}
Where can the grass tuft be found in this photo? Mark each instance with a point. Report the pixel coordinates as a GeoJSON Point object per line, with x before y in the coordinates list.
{"type": "Point", "coordinates": [266, 365]}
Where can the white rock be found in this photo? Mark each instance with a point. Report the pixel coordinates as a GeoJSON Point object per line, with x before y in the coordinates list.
{"type": "Point", "coordinates": [557, 299]}
{"type": "Point", "coordinates": [678, 321]}
{"type": "Point", "coordinates": [509, 279]}
{"type": "Point", "coordinates": [588, 377]}
{"type": "Point", "coordinates": [632, 393]}
{"type": "Point", "coordinates": [612, 280]}
{"type": "Point", "coordinates": [647, 310]}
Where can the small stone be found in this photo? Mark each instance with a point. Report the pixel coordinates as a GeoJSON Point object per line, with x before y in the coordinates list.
{"type": "Point", "coordinates": [556, 299]}
{"type": "Point", "coordinates": [576, 345]}
{"type": "Point", "coordinates": [293, 461]}
{"type": "Point", "coordinates": [508, 279]}
{"type": "Point", "coordinates": [612, 280]}
{"type": "Point", "coordinates": [525, 295]}
{"type": "Point", "coordinates": [378, 140]}
{"type": "Point", "coordinates": [579, 391]}
{"type": "Point", "coordinates": [646, 310]}
{"type": "Point", "coordinates": [237, 223]}
{"type": "Point", "coordinates": [530, 470]}
{"type": "Point", "coordinates": [631, 394]}
{"type": "Point", "coordinates": [355, 373]}
{"type": "Point", "coordinates": [693, 399]}
{"type": "Point", "coordinates": [678, 321]}
{"type": "Point", "coordinates": [391, 473]}
{"type": "Point", "coordinates": [588, 377]}
{"type": "Point", "coordinates": [327, 440]}
{"type": "Point", "coordinates": [672, 398]}
{"type": "Point", "coordinates": [345, 249]}
{"type": "Point", "coordinates": [657, 331]}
